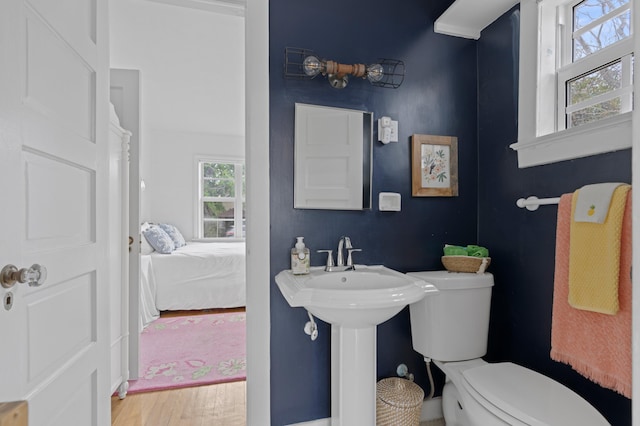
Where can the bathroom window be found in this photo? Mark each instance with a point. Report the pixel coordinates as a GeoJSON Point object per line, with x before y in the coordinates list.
{"type": "Point", "coordinates": [579, 54]}
{"type": "Point", "coordinates": [221, 199]}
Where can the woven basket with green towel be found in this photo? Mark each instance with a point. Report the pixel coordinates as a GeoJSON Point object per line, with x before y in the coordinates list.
{"type": "Point", "coordinates": [471, 258]}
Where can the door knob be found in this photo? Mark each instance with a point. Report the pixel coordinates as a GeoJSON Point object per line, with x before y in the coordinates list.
{"type": "Point", "coordinates": [34, 276]}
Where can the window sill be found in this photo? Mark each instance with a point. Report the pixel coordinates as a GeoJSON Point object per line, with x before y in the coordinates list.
{"type": "Point", "coordinates": [607, 135]}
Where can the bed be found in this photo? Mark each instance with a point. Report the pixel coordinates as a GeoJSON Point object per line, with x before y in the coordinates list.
{"type": "Point", "coordinates": [198, 275]}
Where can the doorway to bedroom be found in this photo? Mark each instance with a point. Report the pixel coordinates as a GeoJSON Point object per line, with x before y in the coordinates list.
{"type": "Point", "coordinates": [190, 61]}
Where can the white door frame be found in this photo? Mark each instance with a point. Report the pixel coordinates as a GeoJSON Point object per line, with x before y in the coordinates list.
{"type": "Point", "coordinates": [258, 240]}
{"type": "Point", "coordinates": [635, 166]}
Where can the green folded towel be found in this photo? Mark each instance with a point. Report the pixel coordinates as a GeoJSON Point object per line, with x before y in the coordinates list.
{"type": "Point", "coordinates": [450, 250]}
{"type": "Point", "coordinates": [470, 250]}
{"type": "Point", "coordinates": [477, 251]}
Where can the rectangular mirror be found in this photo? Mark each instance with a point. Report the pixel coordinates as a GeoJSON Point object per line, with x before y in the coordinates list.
{"type": "Point", "coordinates": [333, 158]}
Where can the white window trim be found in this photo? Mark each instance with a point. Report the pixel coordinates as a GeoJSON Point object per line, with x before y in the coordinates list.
{"type": "Point", "coordinates": [606, 135]}
{"type": "Point", "coordinates": [199, 199]}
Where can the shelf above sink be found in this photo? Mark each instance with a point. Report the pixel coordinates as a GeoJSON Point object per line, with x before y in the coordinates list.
{"type": "Point", "coordinates": [467, 18]}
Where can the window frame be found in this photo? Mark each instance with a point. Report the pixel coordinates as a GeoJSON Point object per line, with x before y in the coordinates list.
{"type": "Point", "coordinates": [239, 199]}
{"type": "Point", "coordinates": [542, 136]}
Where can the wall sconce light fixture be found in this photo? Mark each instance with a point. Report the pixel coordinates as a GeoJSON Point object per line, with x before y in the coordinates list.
{"type": "Point", "coordinates": [304, 64]}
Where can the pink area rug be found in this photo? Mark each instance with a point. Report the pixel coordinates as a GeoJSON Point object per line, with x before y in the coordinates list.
{"type": "Point", "coordinates": [194, 350]}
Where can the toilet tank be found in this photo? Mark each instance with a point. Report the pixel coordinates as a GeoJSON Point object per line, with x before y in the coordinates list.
{"type": "Point", "coordinates": [454, 324]}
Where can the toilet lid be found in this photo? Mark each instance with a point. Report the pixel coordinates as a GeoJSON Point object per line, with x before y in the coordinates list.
{"type": "Point", "coordinates": [531, 397]}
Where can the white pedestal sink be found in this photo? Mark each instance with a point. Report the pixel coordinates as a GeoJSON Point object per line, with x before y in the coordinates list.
{"type": "Point", "coordinates": [354, 303]}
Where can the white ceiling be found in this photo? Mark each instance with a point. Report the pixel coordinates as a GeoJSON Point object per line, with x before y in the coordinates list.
{"type": "Point", "coordinates": [191, 62]}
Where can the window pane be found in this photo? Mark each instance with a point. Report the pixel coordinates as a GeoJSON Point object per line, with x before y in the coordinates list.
{"type": "Point", "coordinates": [224, 183]}
{"type": "Point", "coordinates": [590, 10]}
{"type": "Point", "coordinates": [216, 228]}
{"type": "Point", "coordinates": [218, 210]}
{"type": "Point", "coordinates": [244, 179]}
{"type": "Point", "coordinates": [596, 83]}
{"type": "Point", "coordinates": [602, 35]}
{"type": "Point", "coordinates": [595, 112]}
{"type": "Point", "coordinates": [233, 233]}
{"type": "Point", "coordinates": [218, 170]}
{"type": "Point", "coordinates": [218, 187]}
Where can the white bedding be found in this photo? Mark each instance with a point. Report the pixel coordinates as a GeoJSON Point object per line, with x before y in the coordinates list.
{"type": "Point", "coordinates": [197, 276]}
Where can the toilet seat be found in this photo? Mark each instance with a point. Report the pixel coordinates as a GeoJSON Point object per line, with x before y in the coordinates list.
{"type": "Point", "coordinates": [530, 397]}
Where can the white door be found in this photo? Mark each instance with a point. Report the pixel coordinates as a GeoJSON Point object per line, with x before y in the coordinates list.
{"type": "Point", "coordinates": [54, 338]}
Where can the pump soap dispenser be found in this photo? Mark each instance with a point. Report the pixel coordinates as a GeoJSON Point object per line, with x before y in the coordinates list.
{"type": "Point", "coordinates": [300, 261]}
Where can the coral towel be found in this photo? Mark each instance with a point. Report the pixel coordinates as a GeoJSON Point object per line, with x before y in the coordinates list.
{"type": "Point", "coordinates": [594, 257]}
{"type": "Point", "coordinates": [595, 345]}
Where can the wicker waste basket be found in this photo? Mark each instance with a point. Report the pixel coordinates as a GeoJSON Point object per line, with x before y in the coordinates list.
{"type": "Point", "coordinates": [398, 402]}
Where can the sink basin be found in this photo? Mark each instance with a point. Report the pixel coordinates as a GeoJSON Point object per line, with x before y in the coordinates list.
{"type": "Point", "coordinates": [368, 295]}
{"type": "Point", "coordinates": [354, 303]}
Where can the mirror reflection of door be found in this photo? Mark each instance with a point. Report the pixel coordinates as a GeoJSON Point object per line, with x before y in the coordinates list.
{"type": "Point", "coordinates": [332, 158]}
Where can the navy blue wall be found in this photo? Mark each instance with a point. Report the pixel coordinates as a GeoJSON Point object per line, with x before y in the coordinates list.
{"type": "Point", "coordinates": [522, 243]}
{"type": "Point", "coordinates": [437, 97]}
{"type": "Point", "coordinates": [453, 87]}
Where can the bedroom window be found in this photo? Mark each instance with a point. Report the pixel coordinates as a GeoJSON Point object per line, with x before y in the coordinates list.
{"type": "Point", "coordinates": [221, 201]}
{"type": "Point", "coordinates": [576, 79]}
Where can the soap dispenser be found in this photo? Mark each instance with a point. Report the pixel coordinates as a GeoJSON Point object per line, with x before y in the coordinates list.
{"type": "Point", "coordinates": [300, 261]}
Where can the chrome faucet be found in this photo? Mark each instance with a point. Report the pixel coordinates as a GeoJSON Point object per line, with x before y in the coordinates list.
{"type": "Point", "coordinates": [345, 242]}
{"type": "Point", "coordinates": [340, 265]}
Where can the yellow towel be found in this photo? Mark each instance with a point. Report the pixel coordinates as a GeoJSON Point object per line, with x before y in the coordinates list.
{"type": "Point", "coordinates": [594, 258]}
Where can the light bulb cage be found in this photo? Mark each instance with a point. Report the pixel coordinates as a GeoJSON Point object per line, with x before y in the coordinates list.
{"type": "Point", "coordinates": [294, 63]}
{"type": "Point", "coordinates": [294, 68]}
{"type": "Point", "coordinates": [393, 73]}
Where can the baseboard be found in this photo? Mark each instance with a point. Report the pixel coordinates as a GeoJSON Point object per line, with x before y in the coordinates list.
{"type": "Point", "coordinates": [431, 410]}
{"type": "Point", "coordinates": [319, 422]}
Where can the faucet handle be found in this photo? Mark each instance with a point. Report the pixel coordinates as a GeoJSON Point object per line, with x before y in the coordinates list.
{"type": "Point", "coordinates": [350, 258]}
{"type": "Point", "coordinates": [330, 263]}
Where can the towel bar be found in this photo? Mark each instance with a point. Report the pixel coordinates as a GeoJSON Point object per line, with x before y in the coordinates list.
{"type": "Point", "coordinates": [532, 203]}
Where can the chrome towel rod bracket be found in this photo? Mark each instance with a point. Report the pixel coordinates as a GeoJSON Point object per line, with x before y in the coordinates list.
{"type": "Point", "coordinates": [532, 203]}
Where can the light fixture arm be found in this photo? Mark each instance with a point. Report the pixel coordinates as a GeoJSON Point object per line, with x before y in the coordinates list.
{"type": "Point", "coordinates": [340, 70]}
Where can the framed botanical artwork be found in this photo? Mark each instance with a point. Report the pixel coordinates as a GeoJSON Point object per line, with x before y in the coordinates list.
{"type": "Point", "coordinates": [434, 166]}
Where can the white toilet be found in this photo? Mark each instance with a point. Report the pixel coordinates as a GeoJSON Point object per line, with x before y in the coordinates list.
{"type": "Point", "coordinates": [451, 329]}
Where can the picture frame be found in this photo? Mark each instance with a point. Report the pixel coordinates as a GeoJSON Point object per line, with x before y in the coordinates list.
{"type": "Point", "coordinates": [434, 166]}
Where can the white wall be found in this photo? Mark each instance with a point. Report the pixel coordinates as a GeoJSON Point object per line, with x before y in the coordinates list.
{"type": "Point", "coordinates": [171, 173]}
{"type": "Point", "coordinates": [191, 65]}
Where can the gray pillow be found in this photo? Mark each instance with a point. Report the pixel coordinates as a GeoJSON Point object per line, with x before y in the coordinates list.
{"type": "Point", "coordinates": [159, 240]}
{"type": "Point", "coordinates": [174, 234]}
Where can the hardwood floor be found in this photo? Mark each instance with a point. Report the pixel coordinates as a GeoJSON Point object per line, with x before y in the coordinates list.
{"type": "Point", "coordinates": [223, 405]}
{"type": "Point", "coordinates": [219, 405]}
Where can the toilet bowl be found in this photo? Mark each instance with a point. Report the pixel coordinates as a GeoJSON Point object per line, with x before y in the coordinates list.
{"type": "Point", "coordinates": [479, 393]}
{"type": "Point", "coordinates": [451, 329]}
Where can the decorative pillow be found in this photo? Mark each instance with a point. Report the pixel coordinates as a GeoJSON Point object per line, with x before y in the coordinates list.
{"type": "Point", "coordinates": [145, 247]}
{"type": "Point", "coordinates": [174, 234]}
{"type": "Point", "coordinates": [159, 240]}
